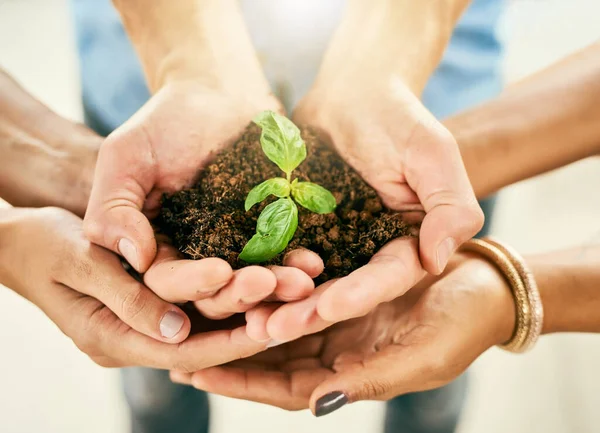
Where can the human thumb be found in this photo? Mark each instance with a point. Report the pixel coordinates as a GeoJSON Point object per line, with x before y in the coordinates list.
{"type": "Point", "coordinates": [123, 178]}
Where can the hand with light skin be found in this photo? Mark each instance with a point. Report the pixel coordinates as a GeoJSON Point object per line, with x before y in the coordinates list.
{"type": "Point", "coordinates": [365, 101]}
{"type": "Point", "coordinates": [207, 85]}
{"type": "Point", "coordinates": [499, 148]}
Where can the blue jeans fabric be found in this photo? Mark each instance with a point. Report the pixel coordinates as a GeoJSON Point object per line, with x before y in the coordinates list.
{"type": "Point", "coordinates": [113, 88]}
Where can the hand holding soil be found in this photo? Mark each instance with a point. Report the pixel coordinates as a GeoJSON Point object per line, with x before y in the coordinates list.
{"type": "Point", "coordinates": [110, 316]}
{"type": "Point", "coordinates": [416, 342]}
{"type": "Point", "coordinates": [160, 149]}
{"type": "Point", "coordinates": [210, 220]}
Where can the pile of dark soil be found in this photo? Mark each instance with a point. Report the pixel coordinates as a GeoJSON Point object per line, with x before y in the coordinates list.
{"type": "Point", "coordinates": [208, 219]}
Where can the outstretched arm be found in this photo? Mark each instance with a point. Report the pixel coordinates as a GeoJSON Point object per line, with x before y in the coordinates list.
{"type": "Point", "coordinates": [199, 40]}
{"type": "Point", "coordinates": [548, 120]}
{"type": "Point", "coordinates": [47, 160]}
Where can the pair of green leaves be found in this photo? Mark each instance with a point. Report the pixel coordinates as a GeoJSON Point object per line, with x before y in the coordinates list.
{"type": "Point", "coordinates": [281, 142]}
{"type": "Point", "coordinates": [313, 197]}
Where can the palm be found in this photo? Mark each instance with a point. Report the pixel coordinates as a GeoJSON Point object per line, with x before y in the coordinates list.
{"type": "Point", "coordinates": [419, 341]}
{"type": "Point", "coordinates": [180, 129]}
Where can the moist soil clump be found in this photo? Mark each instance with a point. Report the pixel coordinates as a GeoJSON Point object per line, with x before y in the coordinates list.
{"type": "Point", "coordinates": [208, 219]}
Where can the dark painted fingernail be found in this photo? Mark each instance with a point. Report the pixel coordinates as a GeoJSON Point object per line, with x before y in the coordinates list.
{"type": "Point", "coordinates": [330, 403]}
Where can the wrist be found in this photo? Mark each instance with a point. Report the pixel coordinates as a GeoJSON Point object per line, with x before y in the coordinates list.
{"type": "Point", "coordinates": [400, 39]}
{"type": "Point", "coordinates": [49, 168]}
{"type": "Point", "coordinates": [499, 297]}
{"type": "Point", "coordinates": [10, 219]}
{"type": "Point", "coordinates": [478, 144]}
{"type": "Point", "coordinates": [193, 40]}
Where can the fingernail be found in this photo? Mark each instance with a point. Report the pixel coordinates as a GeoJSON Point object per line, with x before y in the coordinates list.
{"type": "Point", "coordinates": [128, 250]}
{"type": "Point", "coordinates": [274, 343]}
{"type": "Point", "coordinates": [444, 252]}
{"type": "Point", "coordinates": [330, 403]}
{"type": "Point", "coordinates": [171, 324]}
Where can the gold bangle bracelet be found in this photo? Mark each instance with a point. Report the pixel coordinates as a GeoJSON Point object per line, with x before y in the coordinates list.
{"type": "Point", "coordinates": [533, 293]}
{"type": "Point", "coordinates": [523, 311]}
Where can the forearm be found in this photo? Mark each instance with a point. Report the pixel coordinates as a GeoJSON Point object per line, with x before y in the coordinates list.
{"type": "Point", "coordinates": [200, 40]}
{"type": "Point", "coordinates": [542, 123]}
{"type": "Point", "coordinates": [39, 150]}
{"type": "Point", "coordinates": [569, 283]}
{"type": "Point", "coordinates": [394, 38]}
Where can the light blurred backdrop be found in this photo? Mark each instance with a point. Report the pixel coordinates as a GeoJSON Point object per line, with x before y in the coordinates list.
{"type": "Point", "coordinates": [47, 385]}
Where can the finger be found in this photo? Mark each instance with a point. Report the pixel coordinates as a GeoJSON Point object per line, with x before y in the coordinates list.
{"type": "Point", "coordinates": [177, 280]}
{"type": "Point", "coordinates": [124, 176]}
{"type": "Point", "coordinates": [295, 319]}
{"type": "Point", "coordinates": [197, 352]}
{"type": "Point", "coordinates": [99, 332]}
{"type": "Point", "coordinates": [292, 284]}
{"type": "Point", "coordinates": [99, 274]}
{"type": "Point", "coordinates": [256, 321]}
{"type": "Point", "coordinates": [289, 391]}
{"type": "Point", "coordinates": [248, 287]}
{"type": "Point", "coordinates": [396, 370]}
{"type": "Point", "coordinates": [180, 377]}
{"type": "Point", "coordinates": [305, 260]}
{"type": "Point", "coordinates": [390, 273]}
{"type": "Point", "coordinates": [435, 171]}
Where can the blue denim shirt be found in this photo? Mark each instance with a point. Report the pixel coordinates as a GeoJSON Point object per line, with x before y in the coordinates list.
{"type": "Point", "coordinates": [113, 86]}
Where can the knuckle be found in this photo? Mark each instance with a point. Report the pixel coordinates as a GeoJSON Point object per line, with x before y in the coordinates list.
{"type": "Point", "coordinates": [93, 228]}
{"type": "Point", "coordinates": [477, 217]}
{"type": "Point", "coordinates": [186, 367]}
{"type": "Point", "coordinates": [134, 303]}
{"type": "Point", "coordinates": [472, 218]}
{"type": "Point", "coordinates": [435, 366]}
{"type": "Point", "coordinates": [373, 389]}
{"type": "Point", "coordinates": [104, 362]}
{"type": "Point", "coordinates": [87, 341]}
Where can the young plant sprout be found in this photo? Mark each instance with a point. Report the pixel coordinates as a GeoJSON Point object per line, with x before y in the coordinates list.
{"type": "Point", "coordinates": [281, 142]}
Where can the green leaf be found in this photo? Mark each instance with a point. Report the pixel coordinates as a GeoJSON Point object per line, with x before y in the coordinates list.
{"type": "Point", "coordinates": [278, 186]}
{"type": "Point", "coordinates": [313, 197]}
{"type": "Point", "coordinates": [275, 228]}
{"type": "Point", "coordinates": [281, 141]}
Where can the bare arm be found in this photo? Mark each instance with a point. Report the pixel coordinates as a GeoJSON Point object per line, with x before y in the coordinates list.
{"type": "Point", "coordinates": [200, 40]}
{"type": "Point", "coordinates": [569, 283]}
{"type": "Point", "coordinates": [544, 122]}
{"type": "Point", "coordinates": [46, 160]}
{"type": "Point", "coordinates": [405, 38]}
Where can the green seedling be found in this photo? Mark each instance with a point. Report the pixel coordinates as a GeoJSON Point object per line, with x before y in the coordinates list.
{"type": "Point", "coordinates": [281, 142]}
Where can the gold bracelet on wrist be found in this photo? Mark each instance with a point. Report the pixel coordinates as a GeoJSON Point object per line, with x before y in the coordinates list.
{"type": "Point", "coordinates": [523, 322]}
{"type": "Point", "coordinates": [533, 294]}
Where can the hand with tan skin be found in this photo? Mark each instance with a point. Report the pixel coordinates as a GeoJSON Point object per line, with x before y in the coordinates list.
{"type": "Point", "coordinates": [207, 86]}
{"type": "Point", "coordinates": [420, 341]}
{"type": "Point", "coordinates": [113, 317]}
{"type": "Point", "coordinates": [416, 342]}
{"type": "Point", "coordinates": [427, 337]}
{"type": "Point", "coordinates": [46, 159]}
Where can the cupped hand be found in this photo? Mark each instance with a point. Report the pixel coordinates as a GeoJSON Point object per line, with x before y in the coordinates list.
{"type": "Point", "coordinates": [110, 315]}
{"type": "Point", "coordinates": [384, 132]}
{"type": "Point", "coordinates": [417, 342]}
{"type": "Point", "coordinates": [160, 149]}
